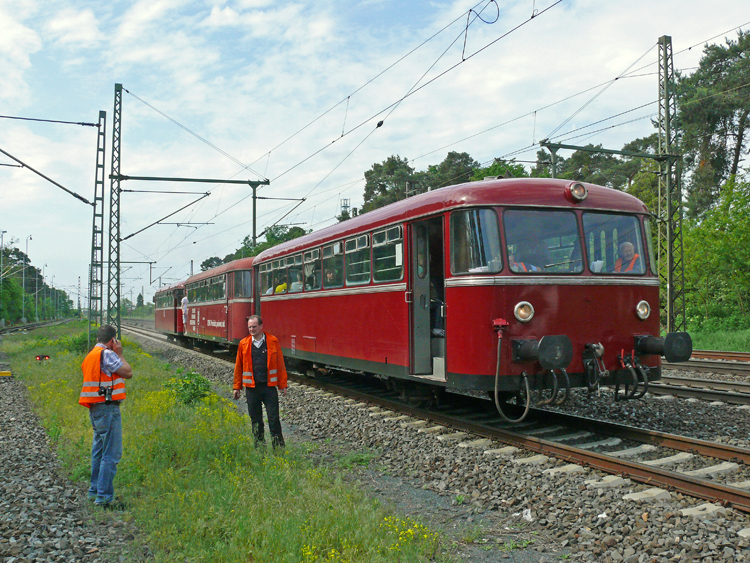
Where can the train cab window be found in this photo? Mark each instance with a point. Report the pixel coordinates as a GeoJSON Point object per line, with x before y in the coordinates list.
{"type": "Point", "coordinates": [388, 255]}
{"type": "Point", "coordinates": [475, 242]}
{"type": "Point", "coordinates": [312, 269]}
{"type": "Point", "coordinates": [542, 241]}
{"type": "Point", "coordinates": [358, 260]}
{"type": "Point", "coordinates": [243, 283]}
{"type": "Point", "coordinates": [650, 244]}
{"type": "Point", "coordinates": [613, 244]}
{"type": "Point", "coordinates": [333, 265]}
{"type": "Point", "coordinates": [217, 289]}
{"type": "Point", "coordinates": [296, 275]}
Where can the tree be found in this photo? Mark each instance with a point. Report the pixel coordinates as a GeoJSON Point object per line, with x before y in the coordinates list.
{"type": "Point", "coordinates": [139, 300]}
{"type": "Point", "coordinates": [456, 168]}
{"type": "Point", "coordinates": [212, 262]}
{"type": "Point", "coordinates": [502, 169]}
{"type": "Point", "coordinates": [386, 182]}
{"type": "Point", "coordinates": [713, 113]}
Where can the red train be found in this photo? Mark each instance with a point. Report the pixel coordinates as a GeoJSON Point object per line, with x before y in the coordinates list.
{"type": "Point", "coordinates": [497, 286]}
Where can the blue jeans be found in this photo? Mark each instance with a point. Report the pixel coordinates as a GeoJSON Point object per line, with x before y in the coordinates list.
{"type": "Point", "coordinates": [106, 450]}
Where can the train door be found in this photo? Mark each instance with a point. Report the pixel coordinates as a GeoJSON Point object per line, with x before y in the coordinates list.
{"type": "Point", "coordinates": [427, 346]}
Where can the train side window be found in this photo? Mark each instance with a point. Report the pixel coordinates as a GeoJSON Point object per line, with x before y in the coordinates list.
{"type": "Point", "coordinates": [333, 265]}
{"type": "Point", "coordinates": [388, 255]}
{"type": "Point", "coordinates": [475, 242]}
{"type": "Point", "coordinates": [243, 283]}
{"type": "Point", "coordinates": [312, 269]}
{"type": "Point", "coordinates": [266, 278]}
{"type": "Point", "coordinates": [279, 276]}
{"type": "Point", "coordinates": [296, 277]}
{"type": "Point", "coordinates": [358, 260]}
{"type": "Point", "coordinates": [542, 241]}
{"type": "Point", "coordinates": [614, 244]}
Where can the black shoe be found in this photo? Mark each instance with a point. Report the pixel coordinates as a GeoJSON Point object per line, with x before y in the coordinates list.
{"type": "Point", "coordinates": [114, 505]}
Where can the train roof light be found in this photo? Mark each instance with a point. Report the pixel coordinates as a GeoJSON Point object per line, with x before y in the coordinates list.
{"type": "Point", "coordinates": [643, 310]}
{"type": "Point", "coordinates": [576, 192]}
{"type": "Point", "coordinates": [524, 311]}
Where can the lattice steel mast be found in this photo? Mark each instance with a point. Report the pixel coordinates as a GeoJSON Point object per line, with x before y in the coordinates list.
{"type": "Point", "coordinates": [670, 264]}
{"type": "Point", "coordinates": [113, 307]}
{"type": "Point", "coordinates": [96, 267]}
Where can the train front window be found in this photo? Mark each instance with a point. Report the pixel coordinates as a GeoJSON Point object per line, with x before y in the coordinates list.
{"type": "Point", "coordinates": [542, 241]}
{"type": "Point", "coordinates": [475, 242]}
{"type": "Point", "coordinates": [613, 244]}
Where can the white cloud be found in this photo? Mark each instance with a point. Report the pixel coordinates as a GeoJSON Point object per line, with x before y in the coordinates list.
{"type": "Point", "coordinates": [73, 27]}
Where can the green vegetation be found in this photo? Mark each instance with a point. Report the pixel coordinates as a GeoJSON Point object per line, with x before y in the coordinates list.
{"type": "Point", "coordinates": [192, 480]}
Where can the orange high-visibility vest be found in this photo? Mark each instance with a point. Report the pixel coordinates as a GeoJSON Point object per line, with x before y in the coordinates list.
{"type": "Point", "coordinates": [618, 264]}
{"type": "Point", "coordinates": [243, 367]}
{"type": "Point", "coordinates": [94, 377]}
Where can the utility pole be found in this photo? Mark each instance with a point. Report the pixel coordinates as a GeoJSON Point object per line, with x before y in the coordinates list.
{"type": "Point", "coordinates": [23, 293]}
{"type": "Point", "coordinates": [2, 251]}
{"type": "Point", "coordinates": [670, 264]}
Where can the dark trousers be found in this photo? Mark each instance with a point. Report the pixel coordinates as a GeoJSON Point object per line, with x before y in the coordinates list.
{"type": "Point", "coordinates": [257, 397]}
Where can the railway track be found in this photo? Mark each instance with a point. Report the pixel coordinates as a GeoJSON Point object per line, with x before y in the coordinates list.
{"type": "Point", "coordinates": [31, 326]}
{"type": "Point", "coordinates": [717, 355]}
{"type": "Point", "coordinates": [640, 454]}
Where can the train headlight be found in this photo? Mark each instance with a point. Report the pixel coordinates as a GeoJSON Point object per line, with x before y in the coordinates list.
{"type": "Point", "coordinates": [524, 311]}
{"type": "Point", "coordinates": [643, 310]}
{"type": "Point", "coordinates": [577, 192]}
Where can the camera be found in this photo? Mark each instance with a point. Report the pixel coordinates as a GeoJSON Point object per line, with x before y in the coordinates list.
{"type": "Point", "coordinates": [107, 393]}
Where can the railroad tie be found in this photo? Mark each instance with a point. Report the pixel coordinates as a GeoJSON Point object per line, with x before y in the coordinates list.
{"type": "Point", "coordinates": [566, 469]}
{"type": "Point", "coordinates": [704, 510]}
{"type": "Point", "coordinates": [608, 482]}
{"type": "Point", "coordinates": [718, 469]}
{"type": "Point", "coordinates": [649, 494]}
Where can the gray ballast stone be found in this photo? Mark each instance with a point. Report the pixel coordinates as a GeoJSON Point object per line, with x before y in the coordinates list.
{"type": "Point", "coordinates": [740, 485]}
{"type": "Point", "coordinates": [502, 452]}
{"type": "Point", "coordinates": [744, 533]}
{"type": "Point", "coordinates": [431, 430]}
{"type": "Point", "coordinates": [649, 494]}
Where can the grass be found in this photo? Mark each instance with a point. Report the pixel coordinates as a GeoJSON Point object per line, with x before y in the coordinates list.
{"type": "Point", "coordinates": [193, 482]}
{"type": "Point", "coordinates": [724, 340]}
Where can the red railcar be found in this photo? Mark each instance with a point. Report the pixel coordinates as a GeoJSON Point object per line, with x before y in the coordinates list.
{"type": "Point", "coordinates": [219, 301]}
{"type": "Point", "coordinates": [493, 286]}
{"type": "Point", "coordinates": [168, 317]}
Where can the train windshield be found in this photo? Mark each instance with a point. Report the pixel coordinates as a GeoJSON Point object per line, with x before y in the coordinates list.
{"type": "Point", "coordinates": [542, 241]}
{"type": "Point", "coordinates": [614, 244]}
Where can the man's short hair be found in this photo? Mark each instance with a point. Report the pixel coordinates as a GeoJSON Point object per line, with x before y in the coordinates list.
{"type": "Point", "coordinates": [257, 318]}
{"type": "Point", "coordinates": [105, 334]}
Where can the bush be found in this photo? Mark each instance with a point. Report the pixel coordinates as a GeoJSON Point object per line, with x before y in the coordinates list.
{"type": "Point", "coordinates": [189, 388]}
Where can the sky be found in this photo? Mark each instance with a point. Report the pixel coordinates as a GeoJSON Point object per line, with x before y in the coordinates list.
{"type": "Point", "coordinates": [292, 91]}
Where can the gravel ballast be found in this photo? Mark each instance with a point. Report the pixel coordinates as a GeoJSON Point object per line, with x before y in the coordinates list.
{"type": "Point", "coordinates": [494, 508]}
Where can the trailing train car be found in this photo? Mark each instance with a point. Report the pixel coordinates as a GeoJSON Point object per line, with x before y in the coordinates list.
{"type": "Point", "coordinates": [168, 316]}
{"type": "Point", "coordinates": [219, 302]}
{"type": "Point", "coordinates": [499, 286]}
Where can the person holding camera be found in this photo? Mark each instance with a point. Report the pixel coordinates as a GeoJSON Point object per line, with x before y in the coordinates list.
{"type": "Point", "coordinates": [104, 373]}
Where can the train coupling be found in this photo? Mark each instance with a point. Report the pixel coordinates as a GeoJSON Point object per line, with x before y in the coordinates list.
{"type": "Point", "coordinates": [675, 346]}
{"type": "Point", "coordinates": [552, 351]}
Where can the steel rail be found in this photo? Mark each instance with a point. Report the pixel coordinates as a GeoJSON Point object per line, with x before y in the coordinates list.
{"type": "Point", "coordinates": [673, 481]}
{"type": "Point", "coordinates": [735, 386]}
{"type": "Point", "coordinates": [713, 366]}
{"type": "Point", "coordinates": [693, 393]}
{"type": "Point", "coordinates": [718, 355]}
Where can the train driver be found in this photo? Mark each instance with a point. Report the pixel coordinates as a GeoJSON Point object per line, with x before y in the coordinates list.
{"type": "Point", "coordinates": [628, 261]}
{"type": "Point", "coordinates": [521, 266]}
